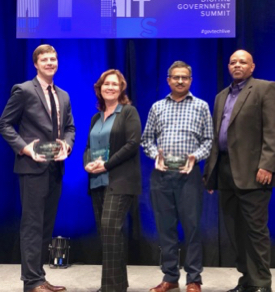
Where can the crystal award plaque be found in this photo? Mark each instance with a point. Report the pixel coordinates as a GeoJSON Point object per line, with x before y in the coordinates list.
{"type": "Point", "coordinates": [100, 154]}
{"type": "Point", "coordinates": [48, 149]}
{"type": "Point", "coordinates": [175, 163]}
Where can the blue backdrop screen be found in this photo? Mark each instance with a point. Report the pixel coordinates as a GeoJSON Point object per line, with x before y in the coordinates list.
{"type": "Point", "coordinates": [125, 18]}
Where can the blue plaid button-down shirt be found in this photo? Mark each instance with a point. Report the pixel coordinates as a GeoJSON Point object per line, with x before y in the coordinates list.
{"type": "Point", "coordinates": [183, 127]}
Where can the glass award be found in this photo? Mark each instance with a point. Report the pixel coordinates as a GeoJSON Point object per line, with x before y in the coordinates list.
{"type": "Point", "coordinates": [175, 162]}
{"type": "Point", "coordinates": [48, 149]}
{"type": "Point", "coordinates": [100, 154]}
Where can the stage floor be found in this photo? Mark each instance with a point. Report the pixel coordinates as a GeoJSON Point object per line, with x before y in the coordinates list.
{"type": "Point", "coordinates": [86, 278]}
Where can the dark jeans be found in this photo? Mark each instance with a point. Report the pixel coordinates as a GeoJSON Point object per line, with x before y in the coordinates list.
{"type": "Point", "coordinates": [178, 198]}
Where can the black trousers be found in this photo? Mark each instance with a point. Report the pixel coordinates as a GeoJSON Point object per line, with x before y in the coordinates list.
{"type": "Point", "coordinates": [178, 198]}
{"type": "Point", "coordinates": [246, 217]}
{"type": "Point", "coordinates": [40, 194]}
{"type": "Point", "coordinates": [110, 213]}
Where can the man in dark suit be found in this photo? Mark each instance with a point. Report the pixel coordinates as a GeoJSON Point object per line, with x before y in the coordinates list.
{"type": "Point", "coordinates": [241, 167]}
{"type": "Point", "coordinates": [41, 112]}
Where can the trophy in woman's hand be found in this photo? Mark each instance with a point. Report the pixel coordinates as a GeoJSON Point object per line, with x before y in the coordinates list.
{"type": "Point", "coordinates": [99, 154]}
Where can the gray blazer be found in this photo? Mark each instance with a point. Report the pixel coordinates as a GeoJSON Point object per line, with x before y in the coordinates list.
{"type": "Point", "coordinates": [251, 134]}
{"type": "Point", "coordinates": [26, 117]}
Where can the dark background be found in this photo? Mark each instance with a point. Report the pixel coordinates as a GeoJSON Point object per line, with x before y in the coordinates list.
{"type": "Point", "coordinates": [144, 62]}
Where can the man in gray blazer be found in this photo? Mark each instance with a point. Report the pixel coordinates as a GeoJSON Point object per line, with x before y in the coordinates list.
{"type": "Point", "coordinates": [241, 167]}
{"type": "Point", "coordinates": [40, 111]}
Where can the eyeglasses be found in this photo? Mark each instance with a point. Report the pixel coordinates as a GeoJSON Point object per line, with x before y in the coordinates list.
{"type": "Point", "coordinates": [177, 78]}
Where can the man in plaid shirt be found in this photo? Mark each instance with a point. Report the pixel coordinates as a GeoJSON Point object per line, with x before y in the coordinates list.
{"type": "Point", "coordinates": [178, 125]}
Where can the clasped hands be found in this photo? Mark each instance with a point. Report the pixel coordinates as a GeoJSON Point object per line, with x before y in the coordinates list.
{"type": "Point", "coordinates": [96, 166]}
{"type": "Point", "coordinates": [62, 154]}
{"type": "Point", "coordinates": [187, 168]}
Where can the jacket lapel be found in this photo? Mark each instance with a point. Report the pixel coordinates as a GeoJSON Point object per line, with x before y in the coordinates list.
{"type": "Point", "coordinates": [41, 95]}
{"type": "Point", "coordinates": [241, 100]}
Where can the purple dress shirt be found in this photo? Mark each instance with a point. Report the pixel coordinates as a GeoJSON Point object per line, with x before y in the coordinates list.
{"type": "Point", "coordinates": [234, 92]}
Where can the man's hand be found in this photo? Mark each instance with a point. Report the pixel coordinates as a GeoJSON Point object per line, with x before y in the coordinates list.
{"type": "Point", "coordinates": [159, 163]}
{"type": "Point", "coordinates": [189, 164]}
{"type": "Point", "coordinates": [28, 150]}
{"type": "Point", "coordinates": [63, 152]}
{"type": "Point", "coordinates": [204, 182]}
{"type": "Point", "coordinates": [264, 176]}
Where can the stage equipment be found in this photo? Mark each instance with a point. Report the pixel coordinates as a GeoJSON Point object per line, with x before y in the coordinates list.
{"type": "Point", "coordinates": [59, 252]}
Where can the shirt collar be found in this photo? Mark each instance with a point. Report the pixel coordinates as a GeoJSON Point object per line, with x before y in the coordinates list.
{"type": "Point", "coordinates": [189, 95]}
{"type": "Point", "coordinates": [238, 86]}
{"type": "Point", "coordinates": [117, 110]}
{"type": "Point", "coordinates": [44, 84]}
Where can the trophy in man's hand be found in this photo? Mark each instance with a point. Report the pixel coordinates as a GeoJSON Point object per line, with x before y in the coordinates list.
{"type": "Point", "coordinates": [175, 162]}
{"type": "Point", "coordinates": [48, 149]}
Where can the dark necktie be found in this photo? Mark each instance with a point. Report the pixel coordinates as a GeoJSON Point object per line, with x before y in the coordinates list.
{"type": "Point", "coordinates": [54, 113]}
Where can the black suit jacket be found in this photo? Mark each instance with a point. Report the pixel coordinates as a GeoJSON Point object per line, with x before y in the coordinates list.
{"type": "Point", "coordinates": [250, 134]}
{"type": "Point", "coordinates": [27, 109]}
{"type": "Point", "coordinates": [124, 162]}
